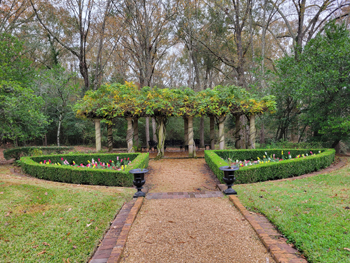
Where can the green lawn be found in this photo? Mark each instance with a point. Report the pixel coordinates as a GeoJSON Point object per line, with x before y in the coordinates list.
{"type": "Point", "coordinates": [43, 221]}
{"type": "Point", "coordinates": [313, 213]}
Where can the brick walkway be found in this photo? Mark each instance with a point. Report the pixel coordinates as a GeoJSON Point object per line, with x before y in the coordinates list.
{"type": "Point", "coordinates": [181, 195]}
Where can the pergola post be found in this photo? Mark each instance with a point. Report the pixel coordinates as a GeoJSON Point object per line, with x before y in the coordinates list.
{"type": "Point", "coordinates": [191, 147]}
{"type": "Point", "coordinates": [136, 131]}
{"type": "Point", "coordinates": [129, 135]}
{"type": "Point", "coordinates": [186, 130]}
{"type": "Point", "coordinates": [252, 131]}
{"type": "Point", "coordinates": [98, 135]}
{"type": "Point", "coordinates": [212, 133]}
{"type": "Point", "coordinates": [161, 121]}
{"type": "Point", "coordinates": [237, 132]}
{"type": "Point", "coordinates": [110, 137]}
{"type": "Point", "coordinates": [221, 132]}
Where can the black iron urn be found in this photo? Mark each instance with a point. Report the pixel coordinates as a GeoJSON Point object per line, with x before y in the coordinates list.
{"type": "Point", "coordinates": [229, 178]}
{"type": "Point", "coordinates": [139, 181]}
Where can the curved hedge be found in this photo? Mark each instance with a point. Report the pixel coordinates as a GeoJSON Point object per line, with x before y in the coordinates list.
{"type": "Point", "coordinates": [76, 175]}
{"type": "Point", "coordinates": [269, 171]}
{"type": "Point", "coordinates": [20, 151]}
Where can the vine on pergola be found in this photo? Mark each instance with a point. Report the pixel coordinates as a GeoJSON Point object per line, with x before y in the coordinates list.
{"type": "Point", "coordinates": [128, 101]}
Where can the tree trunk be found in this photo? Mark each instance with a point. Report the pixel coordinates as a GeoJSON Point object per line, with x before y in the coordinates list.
{"type": "Point", "coordinates": [161, 129]}
{"type": "Point", "coordinates": [191, 148]}
{"type": "Point", "coordinates": [59, 128]}
{"type": "Point", "coordinates": [212, 133]}
{"type": "Point", "coordinates": [136, 132]}
{"type": "Point", "coordinates": [221, 132]}
{"type": "Point", "coordinates": [201, 133]}
{"type": "Point", "coordinates": [186, 130]}
{"type": "Point", "coordinates": [45, 141]}
{"type": "Point", "coordinates": [110, 137]}
{"type": "Point", "coordinates": [154, 129]}
{"type": "Point", "coordinates": [336, 146]}
{"type": "Point", "coordinates": [252, 132]}
{"type": "Point", "coordinates": [238, 127]}
{"type": "Point", "coordinates": [98, 135]}
{"type": "Point", "coordinates": [147, 131]}
{"type": "Point", "coordinates": [129, 135]}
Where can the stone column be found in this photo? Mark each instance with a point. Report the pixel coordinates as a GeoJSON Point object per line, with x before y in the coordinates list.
{"type": "Point", "coordinates": [98, 135]}
{"type": "Point", "coordinates": [186, 130]}
{"type": "Point", "coordinates": [212, 132]}
{"type": "Point", "coordinates": [147, 131]}
{"type": "Point", "coordinates": [221, 132]}
{"type": "Point", "coordinates": [129, 135]}
{"type": "Point", "coordinates": [252, 132]}
{"type": "Point", "coordinates": [191, 147]}
{"type": "Point", "coordinates": [136, 131]}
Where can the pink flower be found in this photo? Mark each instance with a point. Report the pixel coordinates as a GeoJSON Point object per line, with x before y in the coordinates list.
{"type": "Point", "coordinates": [44, 161]}
{"type": "Point", "coordinates": [49, 161]}
{"type": "Point", "coordinates": [288, 153]}
{"type": "Point", "coordinates": [121, 160]}
{"type": "Point", "coordinates": [109, 165]}
{"type": "Point", "coordinates": [117, 158]}
{"type": "Point", "coordinates": [98, 159]}
{"type": "Point", "coordinates": [128, 158]}
{"type": "Point", "coordinates": [62, 159]}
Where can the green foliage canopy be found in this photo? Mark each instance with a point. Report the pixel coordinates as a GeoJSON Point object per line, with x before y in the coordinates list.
{"type": "Point", "coordinates": [117, 100]}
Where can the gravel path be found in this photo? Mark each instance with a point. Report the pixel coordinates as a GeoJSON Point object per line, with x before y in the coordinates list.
{"type": "Point", "coordinates": [180, 175]}
{"type": "Point", "coordinates": [192, 230]}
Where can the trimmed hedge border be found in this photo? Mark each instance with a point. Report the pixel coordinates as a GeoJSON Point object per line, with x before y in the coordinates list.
{"type": "Point", "coordinates": [76, 175]}
{"type": "Point", "coordinates": [269, 171]}
{"type": "Point", "coordinates": [19, 151]}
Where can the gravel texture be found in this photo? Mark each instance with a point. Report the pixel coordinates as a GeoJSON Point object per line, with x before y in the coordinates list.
{"type": "Point", "coordinates": [192, 230]}
{"type": "Point", "coordinates": [180, 175]}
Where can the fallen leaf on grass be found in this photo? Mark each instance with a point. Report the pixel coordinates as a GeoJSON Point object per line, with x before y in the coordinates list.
{"type": "Point", "coordinates": [42, 252]}
{"type": "Point", "coordinates": [45, 193]}
{"type": "Point", "coordinates": [46, 244]}
{"type": "Point", "coordinates": [36, 246]}
{"type": "Point", "coordinates": [69, 209]}
{"type": "Point", "coordinates": [88, 225]}
{"type": "Point", "coordinates": [348, 249]}
{"type": "Point", "coordinates": [74, 247]}
{"type": "Point", "coordinates": [1, 193]}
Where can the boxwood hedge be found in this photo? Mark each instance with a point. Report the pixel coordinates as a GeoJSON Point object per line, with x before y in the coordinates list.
{"type": "Point", "coordinates": [76, 175]}
{"type": "Point", "coordinates": [20, 151]}
{"type": "Point", "coordinates": [269, 171]}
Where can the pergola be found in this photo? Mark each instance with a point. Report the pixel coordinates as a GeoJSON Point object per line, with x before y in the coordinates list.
{"type": "Point", "coordinates": [130, 102]}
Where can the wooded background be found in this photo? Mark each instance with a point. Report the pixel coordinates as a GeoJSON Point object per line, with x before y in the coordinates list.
{"type": "Point", "coordinates": [53, 51]}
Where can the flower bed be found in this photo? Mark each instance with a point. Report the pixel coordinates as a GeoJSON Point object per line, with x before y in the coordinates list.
{"type": "Point", "coordinates": [75, 168]}
{"type": "Point", "coordinates": [266, 169]}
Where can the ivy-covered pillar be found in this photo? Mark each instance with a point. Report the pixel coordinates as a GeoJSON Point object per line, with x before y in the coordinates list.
{"type": "Point", "coordinates": [237, 132]}
{"type": "Point", "coordinates": [136, 131]}
{"type": "Point", "coordinates": [129, 135]}
{"type": "Point", "coordinates": [252, 131]}
{"type": "Point", "coordinates": [212, 132]}
{"type": "Point", "coordinates": [110, 137]}
{"type": "Point", "coordinates": [191, 146]}
{"type": "Point", "coordinates": [161, 122]}
{"type": "Point", "coordinates": [98, 135]}
{"type": "Point", "coordinates": [186, 130]}
{"type": "Point", "coordinates": [221, 132]}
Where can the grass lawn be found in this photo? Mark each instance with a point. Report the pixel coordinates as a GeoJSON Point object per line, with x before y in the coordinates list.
{"type": "Point", "coordinates": [313, 213]}
{"type": "Point", "coordinates": [46, 221]}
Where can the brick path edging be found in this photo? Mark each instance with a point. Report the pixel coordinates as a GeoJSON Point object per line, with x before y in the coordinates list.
{"type": "Point", "coordinates": [121, 241]}
{"type": "Point", "coordinates": [279, 254]}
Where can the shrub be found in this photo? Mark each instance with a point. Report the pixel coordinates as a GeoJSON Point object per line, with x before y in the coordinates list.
{"type": "Point", "coordinates": [269, 171]}
{"type": "Point", "coordinates": [21, 151]}
{"type": "Point", "coordinates": [78, 175]}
